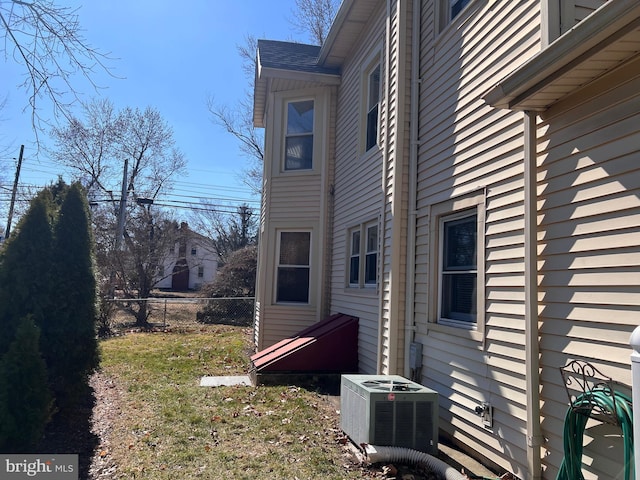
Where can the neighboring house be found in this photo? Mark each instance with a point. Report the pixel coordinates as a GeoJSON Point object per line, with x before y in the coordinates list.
{"type": "Point", "coordinates": [191, 263]}
{"type": "Point", "coordinates": [464, 175]}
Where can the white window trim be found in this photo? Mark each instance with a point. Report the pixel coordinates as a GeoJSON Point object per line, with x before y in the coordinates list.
{"type": "Point", "coordinates": [449, 210]}
{"type": "Point", "coordinates": [443, 16]}
{"type": "Point", "coordinates": [275, 137]}
{"type": "Point", "coordinates": [372, 61]}
{"type": "Point", "coordinates": [362, 284]}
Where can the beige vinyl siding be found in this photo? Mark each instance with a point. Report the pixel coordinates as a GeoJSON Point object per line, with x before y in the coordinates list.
{"type": "Point", "coordinates": [293, 201]}
{"type": "Point", "coordinates": [400, 187]}
{"type": "Point", "coordinates": [357, 191]}
{"type": "Point", "coordinates": [466, 148]}
{"type": "Point", "coordinates": [302, 192]}
{"type": "Point", "coordinates": [573, 12]}
{"type": "Point", "coordinates": [285, 322]}
{"type": "Point", "coordinates": [395, 186]}
{"type": "Point", "coordinates": [589, 231]}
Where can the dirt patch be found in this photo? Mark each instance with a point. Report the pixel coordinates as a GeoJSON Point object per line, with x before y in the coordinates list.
{"type": "Point", "coordinates": [105, 413]}
{"type": "Point", "coordinates": [84, 430]}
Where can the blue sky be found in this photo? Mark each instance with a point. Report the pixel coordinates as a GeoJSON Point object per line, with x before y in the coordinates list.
{"type": "Point", "coordinates": [168, 55]}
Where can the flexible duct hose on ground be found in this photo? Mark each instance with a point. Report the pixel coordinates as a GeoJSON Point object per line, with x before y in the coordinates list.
{"type": "Point", "coordinates": [574, 426]}
{"type": "Point", "coordinates": [377, 454]}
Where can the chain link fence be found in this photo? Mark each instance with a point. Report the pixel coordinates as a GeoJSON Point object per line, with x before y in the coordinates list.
{"type": "Point", "coordinates": [175, 313]}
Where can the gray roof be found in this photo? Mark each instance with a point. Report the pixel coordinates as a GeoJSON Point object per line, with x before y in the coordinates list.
{"type": "Point", "coordinates": [297, 57]}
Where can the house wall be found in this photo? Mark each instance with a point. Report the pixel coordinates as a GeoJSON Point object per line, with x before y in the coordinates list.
{"type": "Point", "coordinates": [209, 265]}
{"type": "Point", "coordinates": [589, 232]}
{"type": "Point", "coordinates": [358, 191]}
{"type": "Point", "coordinates": [470, 152]}
{"type": "Point", "coordinates": [395, 187]}
{"type": "Point", "coordinates": [292, 201]}
{"type": "Point", "coordinates": [205, 257]}
{"type": "Point", "coordinates": [572, 12]}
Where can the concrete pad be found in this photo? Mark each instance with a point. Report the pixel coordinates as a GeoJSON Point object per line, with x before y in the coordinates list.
{"type": "Point", "coordinates": [225, 381]}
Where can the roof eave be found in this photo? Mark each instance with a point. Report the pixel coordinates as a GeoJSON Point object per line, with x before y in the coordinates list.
{"type": "Point", "coordinates": [259, 95]}
{"type": "Point", "coordinates": [336, 26]}
{"type": "Point", "coordinates": [596, 32]}
{"type": "Point", "coordinates": [263, 74]}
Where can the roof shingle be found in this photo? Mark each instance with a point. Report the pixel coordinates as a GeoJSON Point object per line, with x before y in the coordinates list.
{"type": "Point", "coordinates": [298, 57]}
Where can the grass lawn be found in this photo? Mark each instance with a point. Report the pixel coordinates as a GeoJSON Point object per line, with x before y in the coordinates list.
{"type": "Point", "coordinates": [171, 428]}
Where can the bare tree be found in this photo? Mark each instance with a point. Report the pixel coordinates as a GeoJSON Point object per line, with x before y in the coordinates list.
{"type": "Point", "coordinates": [46, 39]}
{"type": "Point", "coordinates": [228, 231]}
{"type": "Point", "coordinates": [95, 148]}
{"type": "Point", "coordinates": [136, 147]}
{"type": "Point", "coordinates": [238, 120]}
{"type": "Point", "coordinates": [314, 18]}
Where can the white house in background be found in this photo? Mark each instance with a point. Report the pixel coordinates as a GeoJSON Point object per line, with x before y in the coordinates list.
{"type": "Point", "coordinates": [462, 175]}
{"type": "Point", "coordinates": [191, 263]}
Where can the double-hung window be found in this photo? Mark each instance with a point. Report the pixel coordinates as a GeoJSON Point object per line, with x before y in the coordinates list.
{"type": "Point", "coordinates": [456, 6]}
{"type": "Point", "coordinates": [363, 256]}
{"type": "Point", "coordinates": [373, 107]}
{"type": "Point", "coordinates": [299, 136]}
{"type": "Point", "coordinates": [293, 269]}
{"type": "Point", "coordinates": [459, 269]}
{"type": "Point", "coordinates": [449, 10]}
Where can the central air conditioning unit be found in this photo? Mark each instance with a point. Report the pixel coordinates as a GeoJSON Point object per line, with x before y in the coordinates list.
{"type": "Point", "coordinates": [389, 410]}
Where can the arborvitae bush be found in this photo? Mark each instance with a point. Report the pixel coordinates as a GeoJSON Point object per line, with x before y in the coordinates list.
{"type": "Point", "coordinates": [48, 279]}
{"type": "Point", "coordinates": [25, 399]}
{"type": "Point", "coordinates": [25, 268]}
{"type": "Point", "coordinates": [69, 333]}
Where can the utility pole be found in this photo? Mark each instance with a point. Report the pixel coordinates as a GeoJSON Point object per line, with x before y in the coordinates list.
{"type": "Point", "coordinates": [245, 215]}
{"type": "Point", "coordinates": [120, 226]}
{"type": "Point", "coordinates": [123, 205]}
{"type": "Point", "coordinates": [13, 193]}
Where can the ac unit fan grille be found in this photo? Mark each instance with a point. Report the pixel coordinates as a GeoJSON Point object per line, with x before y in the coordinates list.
{"type": "Point", "coordinates": [404, 424]}
{"type": "Point", "coordinates": [391, 386]}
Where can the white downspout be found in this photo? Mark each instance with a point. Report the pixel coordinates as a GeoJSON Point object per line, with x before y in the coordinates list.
{"type": "Point", "coordinates": [409, 325]}
{"type": "Point", "coordinates": [534, 437]}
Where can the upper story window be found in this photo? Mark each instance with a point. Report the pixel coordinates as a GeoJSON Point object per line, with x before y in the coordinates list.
{"type": "Point", "coordinates": [456, 6]}
{"type": "Point", "coordinates": [299, 136]}
{"type": "Point", "coordinates": [373, 103]}
{"type": "Point", "coordinates": [449, 10]}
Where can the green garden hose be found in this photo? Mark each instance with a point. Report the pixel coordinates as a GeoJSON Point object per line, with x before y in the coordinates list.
{"type": "Point", "coordinates": [574, 426]}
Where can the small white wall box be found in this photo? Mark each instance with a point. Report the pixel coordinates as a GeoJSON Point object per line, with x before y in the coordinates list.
{"type": "Point", "coordinates": [389, 410]}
